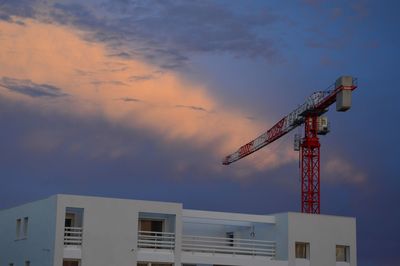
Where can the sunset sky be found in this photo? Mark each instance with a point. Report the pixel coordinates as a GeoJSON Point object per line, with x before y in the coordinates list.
{"type": "Point", "coordinates": [143, 99]}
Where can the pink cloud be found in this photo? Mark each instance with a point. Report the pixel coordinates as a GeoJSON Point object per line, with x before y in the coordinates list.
{"type": "Point", "coordinates": [97, 84]}
{"type": "Point", "coordinates": [339, 170]}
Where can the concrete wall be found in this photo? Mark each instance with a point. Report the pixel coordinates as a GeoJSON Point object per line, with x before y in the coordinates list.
{"type": "Point", "coordinates": [280, 235]}
{"type": "Point", "coordinates": [110, 228]}
{"type": "Point", "coordinates": [38, 247]}
{"type": "Point", "coordinates": [323, 232]}
{"type": "Point", "coordinates": [110, 233]}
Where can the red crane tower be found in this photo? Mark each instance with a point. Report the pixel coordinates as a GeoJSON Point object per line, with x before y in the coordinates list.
{"type": "Point", "coordinates": [310, 114]}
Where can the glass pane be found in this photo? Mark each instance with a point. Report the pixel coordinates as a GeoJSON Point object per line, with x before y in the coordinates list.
{"type": "Point", "coordinates": [341, 253]}
{"type": "Point", "coordinates": [301, 250]}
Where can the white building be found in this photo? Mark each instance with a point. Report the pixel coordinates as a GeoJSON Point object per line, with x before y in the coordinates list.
{"type": "Point", "coordinates": [91, 231]}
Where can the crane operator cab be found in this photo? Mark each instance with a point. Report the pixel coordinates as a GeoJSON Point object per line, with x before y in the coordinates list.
{"type": "Point", "coordinates": [323, 125]}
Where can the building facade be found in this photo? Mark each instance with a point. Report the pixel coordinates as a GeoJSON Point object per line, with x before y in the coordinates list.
{"type": "Point", "coordinates": [67, 230]}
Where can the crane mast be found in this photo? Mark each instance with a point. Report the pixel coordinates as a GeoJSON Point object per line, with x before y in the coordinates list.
{"type": "Point", "coordinates": [309, 114]}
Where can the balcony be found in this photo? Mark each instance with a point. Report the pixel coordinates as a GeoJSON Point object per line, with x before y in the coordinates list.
{"type": "Point", "coordinates": [73, 242]}
{"type": "Point", "coordinates": [217, 238]}
{"type": "Point", "coordinates": [73, 236]}
{"type": "Point", "coordinates": [156, 246]}
{"type": "Point", "coordinates": [156, 240]}
{"type": "Point", "coordinates": [230, 246]}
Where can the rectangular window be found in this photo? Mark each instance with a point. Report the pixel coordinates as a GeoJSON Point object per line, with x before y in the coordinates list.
{"type": "Point", "coordinates": [151, 225]}
{"type": "Point", "coordinates": [25, 231]}
{"type": "Point", "coordinates": [342, 253]}
{"type": "Point", "coordinates": [27, 263]}
{"type": "Point", "coordinates": [18, 229]}
{"type": "Point", "coordinates": [302, 250]}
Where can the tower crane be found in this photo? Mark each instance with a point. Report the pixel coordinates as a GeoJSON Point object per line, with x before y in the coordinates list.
{"type": "Point", "coordinates": [310, 114]}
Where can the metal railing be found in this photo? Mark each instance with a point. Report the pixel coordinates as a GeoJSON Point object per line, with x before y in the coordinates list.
{"type": "Point", "coordinates": [223, 245]}
{"type": "Point", "coordinates": [156, 240]}
{"type": "Point", "coordinates": [73, 236]}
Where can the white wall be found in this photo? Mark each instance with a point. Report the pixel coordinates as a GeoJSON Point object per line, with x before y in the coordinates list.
{"type": "Point", "coordinates": [38, 247]}
{"type": "Point", "coordinates": [110, 233]}
{"type": "Point", "coordinates": [110, 228]}
{"type": "Point", "coordinates": [323, 232]}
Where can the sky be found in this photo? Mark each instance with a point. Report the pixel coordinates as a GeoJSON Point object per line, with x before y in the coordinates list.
{"type": "Point", "coordinates": [143, 99]}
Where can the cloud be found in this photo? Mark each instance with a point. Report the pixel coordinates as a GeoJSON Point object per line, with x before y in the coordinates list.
{"type": "Point", "coordinates": [108, 82]}
{"type": "Point", "coordinates": [360, 9]}
{"type": "Point", "coordinates": [166, 33]}
{"type": "Point", "coordinates": [141, 78]}
{"type": "Point", "coordinates": [174, 109]}
{"type": "Point", "coordinates": [27, 87]}
{"type": "Point", "coordinates": [327, 61]}
{"type": "Point", "coordinates": [191, 107]}
{"type": "Point", "coordinates": [20, 8]}
{"type": "Point", "coordinates": [127, 99]}
{"type": "Point", "coordinates": [341, 171]}
{"type": "Point", "coordinates": [337, 12]}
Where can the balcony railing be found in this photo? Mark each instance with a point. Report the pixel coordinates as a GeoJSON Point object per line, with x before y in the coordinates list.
{"type": "Point", "coordinates": [73, 236]}
{"type": "Point", "coordinates": [223, 245]}
{"type": "Point", "coordinates": [156, 240]}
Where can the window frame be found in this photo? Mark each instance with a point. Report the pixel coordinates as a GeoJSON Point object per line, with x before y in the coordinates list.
{"type": "Point", "coordinates": [346, 253]}
{"type": "Point", "coordinates": [18, 228]}
{"type": "Point", "coordinates": [305, 250]}
{"type": "Point", "coordinates": [25, 227]}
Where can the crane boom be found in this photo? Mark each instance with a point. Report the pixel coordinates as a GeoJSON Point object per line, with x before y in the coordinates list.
{"type": "Point", "coordinates": [317, 102]}
{"type": "Point", "coordinates": [309, 114]}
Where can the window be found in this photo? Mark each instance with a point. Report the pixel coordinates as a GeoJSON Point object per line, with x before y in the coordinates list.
{"type": "Point", "coordinates": [11, 264]}
{"type": "Point", "coordinates": [70, 220]}
{"type": "Point", "coordinates": [342, 253]}
{"type": "Point", "coordinates": [151, 225]}
{"type": "Point", "coordinates": [71, 263]}
{"type": "Point", "coordinates": [27, 263]}
{"type": "Point", "coordinates": [21, 230]}
{"type": "Point", "coordinates": [18, 230]}
{"type": "Point", "coordinates": [25, 231]}
{"type": "Point", "coordinates": [302, 250]}
{"type": "Point", "coordinates": [154, 264]}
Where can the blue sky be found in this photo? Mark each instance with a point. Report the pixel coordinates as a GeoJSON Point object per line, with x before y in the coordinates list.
{"type": "Point", "coordinates": [142, 99]}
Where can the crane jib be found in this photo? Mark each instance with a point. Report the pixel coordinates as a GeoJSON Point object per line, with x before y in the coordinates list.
{"type": "Point", "coordinates": [274, 133]}
{"type": "Point", "coordinates": [317, 102]}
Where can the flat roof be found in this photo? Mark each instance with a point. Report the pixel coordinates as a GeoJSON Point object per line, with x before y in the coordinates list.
{"type": "Point", "coordinates": [211, 217]}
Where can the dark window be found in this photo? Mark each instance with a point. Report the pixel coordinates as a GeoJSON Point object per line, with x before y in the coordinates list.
{"type": "Point", "coordinates": [342, 253]}
{"type": "Point", "coordinates": [18, 230]}
{"type": "Point", "coordinates": [302, 250]}
{"type": "Point", "coordinates": [70, 263]}
{"type": "Point", "coordinates": [151, 225]}
{"type": "Point", "coordinates": [25, 232]}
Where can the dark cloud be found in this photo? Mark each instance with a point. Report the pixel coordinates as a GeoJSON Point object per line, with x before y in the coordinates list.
{"type": "Point", "coordinates": [141, 78]}
{"type": "Point", "coordinates": [192, 107]}
{"type": "Point", "coordinates": [251, 118]}
{"type": "Point", "coordinates": [127, 99]}
{"type": "Point", "coordinates": [167, 33]}
{"type": "Point", "coordinates": [360, 9]}
{"type": "Point", "coordinates": [83, 72]}
{"type": "Point", "coordinates": [124, 55]}
{"type": "Point", "coordinates": [27, 87]}
{"type": "Point", "coordinates": [10, 19]}
{"type": "Point", "coordinates": [107, 82]}
{"type": "Point", "coordinates": [327, 61]}
{"type": "Point", "coordinates": [20, 8]}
